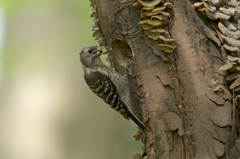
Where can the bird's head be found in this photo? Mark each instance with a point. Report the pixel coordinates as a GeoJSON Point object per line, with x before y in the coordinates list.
{"type": "Point", "coordinates": [90, 57]}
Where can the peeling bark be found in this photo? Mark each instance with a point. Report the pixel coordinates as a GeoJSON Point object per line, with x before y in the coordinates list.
{"type": "Point", "coordinates": [173, 93]}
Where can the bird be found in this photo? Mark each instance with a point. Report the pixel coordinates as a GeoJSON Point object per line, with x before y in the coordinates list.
{"type": "Point", "coordinates": [106, 83]}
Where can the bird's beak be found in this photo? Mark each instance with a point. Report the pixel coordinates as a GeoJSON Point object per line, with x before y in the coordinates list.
{"type": "Point", "coordinates": [99, 53]}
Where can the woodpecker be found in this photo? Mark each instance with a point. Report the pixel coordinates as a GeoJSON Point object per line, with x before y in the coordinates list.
{"type": "Point", "coordinates": [106, 83]}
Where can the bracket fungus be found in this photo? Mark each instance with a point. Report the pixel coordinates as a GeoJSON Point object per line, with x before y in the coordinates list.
{"type": "Point", "coordinates": [93, 13]}
{"type": "Point", "coordinates": [160, 17]}
{"type": "Point", "coordinates": [235, 83]}
{"type": "Point", "coordinates": [155, 14]}
{"type": "Point", "coordinates": [166, 48]}
{"type": "Point", "coordinates": [149, 3]}
{"type": "Point", "coordinates": [237, 89]}
{"type": "Point", "coordinates": [169, 45]}
{"type": "Point", "coordinates": [159, 9]}
{"type": "Point", "coordinates": [95, 26]}
{"type": "Point", "coordinates": [215, 2]}
{"type": "Point", "coordinates": [138, 4]}
{"type": "Point", "coordinates": [231, 58]}
{"type": "Point", "coordinates": [230, 25]}
{"type": "Point", "coordinates": [155, 33]}
{"type": "Point", "coordinates": [216, 15]}
{"type": "Point", "coordinates": [236, 68]}
{"type": "Point", "coordinates": [233, 66]}
{"type": "Point", "coordinates": [237, 97]}
{"type": "Point", "coordinates": [148, 24]}
{"type": "Point", "coordinates": [147, 8]}
{"type": "Point", "coordinates": [93, 6]}
{"type": "Point", "coordinates": [168, 41]}
{"type": "Point", "coordinates": [97, 34]}
{"type": "Point", "coordinates": [94, 23]}
{"type": "Point", "coordinates": [151, 13]}
{"type": "Point", "coordinates": [225, 31]}
{"type": "Point", "coordinates": [205, 5]}
{"type": "Point", "coordinates": [231, 41]}
{"type": "Point", "coordinates": [228, 14]}
{"type": "Point", "coordinates": [231, 49]}
{"type": "Point", "coordinates": [227, 66]}
{"type": "Point", "coordinates": [228, 11]}
{"type": "Point", "coordinates": [218, 89]}
{"type": "Point", "coordinates": [168, 4]}
{"type": "Point", "coordinates": [233, 3]}
{"type": "Point", "coordinates": [233, 76]}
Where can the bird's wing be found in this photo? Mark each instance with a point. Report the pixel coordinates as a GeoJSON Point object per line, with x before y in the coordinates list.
{"type": "Point", "coordinates": [104, 88]}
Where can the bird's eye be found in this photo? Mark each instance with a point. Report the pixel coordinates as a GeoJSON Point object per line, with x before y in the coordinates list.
{"type": "Point", "coordinates": [90, 51]}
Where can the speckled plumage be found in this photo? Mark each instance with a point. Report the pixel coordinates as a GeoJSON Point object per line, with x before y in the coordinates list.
{"type": "Point", "coordinates": [106, 83]}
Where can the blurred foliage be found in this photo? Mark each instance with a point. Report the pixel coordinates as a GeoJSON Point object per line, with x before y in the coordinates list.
{"type": "Point", "coordinates": [75, 13]}
{"type": "Point", "coordinates": [44, 90]}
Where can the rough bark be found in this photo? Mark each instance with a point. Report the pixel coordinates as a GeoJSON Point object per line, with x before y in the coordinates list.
{"type": "Point", "coordinates": [173, 93]}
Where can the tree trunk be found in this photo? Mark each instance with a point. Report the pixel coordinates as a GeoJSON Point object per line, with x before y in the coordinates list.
{"type": "Point", "coordinates": [173, 92]}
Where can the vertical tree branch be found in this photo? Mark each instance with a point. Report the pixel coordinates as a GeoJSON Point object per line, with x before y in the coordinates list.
{"type": "Point", "coordinates": [172, 93]}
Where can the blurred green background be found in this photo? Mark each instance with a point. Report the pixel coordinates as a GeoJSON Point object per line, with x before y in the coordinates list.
{"type": "Point", "coordinates": [46, 109]}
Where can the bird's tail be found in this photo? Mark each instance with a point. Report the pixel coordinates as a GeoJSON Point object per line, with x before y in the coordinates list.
{"type": "Point", "coordinates": [137, 121]}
